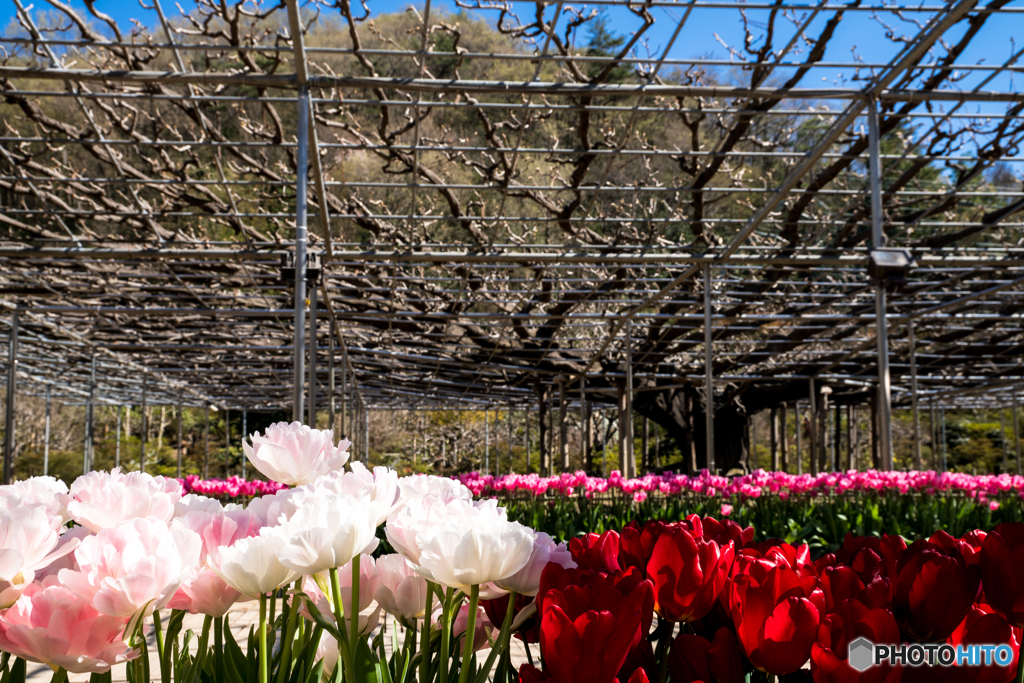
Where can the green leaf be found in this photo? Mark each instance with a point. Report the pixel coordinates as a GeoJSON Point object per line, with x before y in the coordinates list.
{"type": "Point", "coordinates": [363, 664]}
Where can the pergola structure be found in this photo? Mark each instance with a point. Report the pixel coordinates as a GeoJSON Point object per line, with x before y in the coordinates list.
{"type": "Point", "coordinates": [505, 215]}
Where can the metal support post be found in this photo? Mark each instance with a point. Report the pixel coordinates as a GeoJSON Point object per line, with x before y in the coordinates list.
{"type": "Point", "coordinates": [621, 425]}
{"type": "Point", "coordinates": [145, 425]}
{"type": "Point", "coordinates": [773, 437]}
{"type": "Point", "coordinates": [881, 321]}
{"type": "Point", "coordinates": [563, 427]}
{"type": "Point", "coordinates": [90, 422]}
{"type": "Point", "coordinates": [206, 445]}
{"type": "Point", "coordinates": [46, 434]}
{"type": "Point", "coordinates": [366, 435]}
{"type": "Point", "coordinates": [311, 417]}
{"type": "Point", "coordinates": [526, 437]}
{"type": "Point", "coordinates": [12, 368]}
{"type": "Point", "coordinates": [709, 390]}
{"type": "Point", "coordinates": [630, 462]}
{"type": "Point", "coordinates": [799, 420]}
{"type": "Point", "coordinates": [1016, 432]}
{"type": "Point", "coordinates": [942, 435]}
{"type": "Point", "coordinates": [245, 435]}
{"type": "Point", "coordinates": [117, 437]}
{"type": "Point", "coordinates": [181, 418]}
{"type": "Point", "coordinates": [344, 390]}
{"type": "Point", "coordinates": [813, 431]}
{"type": "Point", "coordinates": [301, 173]}
{"type": "Point", "coordinates": [645, 443]}
{"type": "Point", "coordinates": [913, 396]}
{"type": "Point", "coordinates": [227, 442]}
{"type": "Point", "coordinates": [933, 425]}
{"type": "Point", "coordinates": [836, 441]}
{"type": "Point", "coordinates": [584, 424]}
{"type": "Point", "coordinates": [783, 439]}
{"type": "Point", "coordinates": [331, 417]}
{"type": "Point", "coordinates": [1002, 438]}
{"type": "Point", "coordinates": [508, 444]}
{"type": "Point", "coordinates": [487, 440]}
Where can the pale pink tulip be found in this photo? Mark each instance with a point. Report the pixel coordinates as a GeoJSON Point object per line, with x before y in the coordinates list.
{"type": "Point", "coordinates": [400, 590]}
{"type": "Point", "coordinates": [101, 500]}
{"type": "Point", "coordinates": [133, 568]}
{"type": "Point", "coordinates": [369, 610]}
{"type": "Point", "coordinates": [29, 541]}
{"type": "Point", "coordinates": [295, 454]}
{"type": "Point", "coordinates": [442, 488]}
{"type": "Point", "coordinates": [483, 630]}
{"type": "Point", "coordinates": [378, 488]}
{"type": "Point", "coordinates": [51, 493]}
{"type": "Point", "coordinates": [526, 581]}
{"type": "Point", "coordinates": [54, 626]}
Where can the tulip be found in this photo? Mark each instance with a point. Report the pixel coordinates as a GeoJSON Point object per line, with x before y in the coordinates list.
{"type": "Point", "coordinates": [484, 631]}
{"type": "Point", "coordinates": [496, 608]}
{"type": "Point", "coordinates": [251, 567]}
{"type": "Point", "coordinates": [464, 551]}
{"type": "Point", "coordinates": [871, 557]}
{"type": "Point", "coordinates": [378, 488]}
{"type": "Point", "coordinates": [53, 626]}
{"type": "Point", "coordinates": [295, 454]}
{"type": "Point", "coordinates": [442, 488]}
{"type": "Point", "coordinates": [693, 659]}
{"type": "Point", "coordinates": [1002, 557]}
{"type": "Point", "coordinates": [406, 525]}
{"type": "Point", "coordinates": [776, 613]}
{"type": "Point", "coordinates": [587, 631]}
{"type": "Point", "coordinates": [637, 543]}
{"type": "Point", "coordinates": [325, 533]}
{"type": "Point", "coordinates": [842, 583]}
{"type": "Point", "coordinates": [134, 568]}
{"type": "Point", "coordinates": [719, 531]}
{"type": "Point", "coordinates": [688, 574]}
{"type": "Point", "coordinates": [29, 541]}
{"type": "Point", "coordinates": [596, 552]}
{"type": "Point", "coordinates": [400, 590]}
{"type": "Point", "coordinates": [526, 581]}
{"type": "Point", "coordinates": [851, 620]}
{"type": "Point", "coordinates": [369, 610]}
{"type": "Point", "coordinates": [984, 626]}
{"type": "Point", "coordinates": [102, 500]}
{"type": "Point", "coordinates": [933, 591]}
{"type": "Point", "coordinates": [51, 493]}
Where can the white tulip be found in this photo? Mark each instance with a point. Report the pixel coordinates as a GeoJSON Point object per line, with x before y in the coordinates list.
{"type": "Point", "coordinates": [295, 454]}
{"type": "Point", "coordinates": [251, 567]}
{"type": "Point", "coordinates": [51, 493]}
{"type": "Point", "coordinates": [325, 533]}
{"type": "Point", "coordinates": [474, 549]}
{"type": "Point", "coordinates": [526, 581]}
{"type": "Point", "coordinates": [445, 489]}
{"type": "Point", "coordinates": [379, 487]}
{"type": "Point", "coordinates": [419, 514]}
{"type": "Point", "coordinates": [29, 541]}
{"type": "Point", "coordinates": [102, 500]}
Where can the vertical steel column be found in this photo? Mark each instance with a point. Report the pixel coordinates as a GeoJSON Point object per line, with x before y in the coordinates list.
{"type": "Point", "coordinates": [245, 435]}
{"type": "Point", "coordinates": [301, 179]}
{"type": "Point", "coordinates": [12, 367]}
{"type": "Point", "coordinates": [798, 419]}
{"type": "Point", "coordinates": [227, 442]}
{"type": "Point", "coordinates": [542, 430]}
{"type": "Point", "coordinates": [344, 389]}
{"type": "Point", "coordinates": [117, 440]}
{"type": "Point", "coordinates": [487, 440]}
{"type": "Point", "coordinates": [563, 426]}
{"type": "Point", "coordinates": [913, 395]}
{"type": "Point", "coordinates": [709, 389]}
{"type": "Point", "coordinates": [849, 439]}
{"type": "Point", "coordinates": [837, 430]}
{"type": "Point", "coordinates": [773, 437]}
{"type": "Point", "coordinates": [366, 435]}
{"type": "Point", "coordinates": [311, 417]}
{"type": "Point", "coordinates": [812, 447]}
{"type": "Point", "coordinates": [604, 445]}
{"type": "Point", "coordinates": [206, 445]}
{"type": "Point", "coordinates": [1016, 432]}
{"type": "Point", "coordinates": [526, 436]}
{"type": "Point", "coordinates": [1002, 438]}
{"type": "Point", "coordinates": [783, 438]}
{"type": "Point", "coordinates": [584, 423]}
{"type": "Point", "coordinates": [621, 427]}
{"type": "Point", "coordinates": [145, 426]}
{"type": "Point", "coordinates": [933, 427]}
{"type": "Point", "coordinates": [881, 322]}
{"type": "Point", "coordinates": [508, 444]}
{"type": "Point", "coordinates": [181, 418]}
{"type": "Point", "coordinates": [330, 376]}
{"type": "Point", "coordinates": [90, 421]}
{"type": "Point", "coordinates": [551, 434]}
{"type": "Point", "coordinates": [645, 443]}
{"type": "Point", "coordinates": [630, 454]}
{"type": "Point", "coordinates": [942, 422]}
{"type": "Point", "coordinates": [46, 433]}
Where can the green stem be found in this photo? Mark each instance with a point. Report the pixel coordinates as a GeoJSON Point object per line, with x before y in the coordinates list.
{"type": "Point", "coordinates": [446, 632]}
{"type": "Point", "coordinates": [470, 635]}
{"type": "Point", "coordinates": [60, 675]}
{"type": "Point", "coordinates": [218, 649]}
{"type": "Point", "coordinates": [158, 631]}
{"type": "Point", "coordinates": [263, 638]}
{"type": "Point", "coordinates": [271, 630]}
{"type": "Point", "coordinates": [284, 668]}
{"type": "Point", "coordinates": [663, 670]}
{"type": "Point", "coordinates": [353, 632]}
{"type": "Point", "coordinates": [339, 616]}
{"type": "Point", "coordinates": [200, 661]}
{"type": "Point", "coordinates": [425, 638]}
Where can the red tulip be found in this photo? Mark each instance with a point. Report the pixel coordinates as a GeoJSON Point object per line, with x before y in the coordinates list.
{"type": "Point", "coordinates": [637, 543]}
{"type": "Point", "coordinates": [776, 613]}
{"type": "Point", "coordinates": [982, 626]}
{"type": "Point", "coordinates": [870, 556]}
{"type": "Point", "coordinates": [1002, 558]}
{"type": "Point", "coordinates": [495, 609]}
{"type": "Point", "coordinates": [556, 577]}
{"type": "Point", "coordinates": [968, 549]}
{"type": "Point", "coordinates": [688, 574]}
{"type": "Point", "coordinates": [588, 630]}
{"type": "Point", "coordinates": [597, 553]}
{"type": "Point", "coordinates": [842, 583]}
{"type": "Point", "coordinates": [933, 591]}
{"type": "Point", "coordinates": [693, 659]}
{"type": "Point", "coordinates": [849, 621]}
{"type": "Point", "coordinates": [720, 531]}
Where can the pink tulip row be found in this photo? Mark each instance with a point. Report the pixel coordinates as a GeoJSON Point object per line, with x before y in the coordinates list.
{"type": "Point", "coordinates": [982, 487]}
{"type": "Point", "coordinates": [232, 487]}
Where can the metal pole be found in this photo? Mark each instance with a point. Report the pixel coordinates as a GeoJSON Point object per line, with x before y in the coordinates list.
{"type": "Point", "coordinates": [206, 445]}
{"type": "Point", "coordinates": [227, 441]}
{"type": "Point", "coordinates": [90, 424]}
{"type": "Point", "coordinates": [913, 396]}
{"type": "Point", "coordinates": [487, 441]}
{"type": "Point", "coordinates": [366, 434]}
{"type": "Point", "coordinates": [798, 418]}
{"type": "Point", "coordinates": [773, 437]}
{"type": "Point", "coordinates": [933, 425]}
{"type": "Point", "coordinates": [46, 433]}
{"type": "Point", "coordinates": [563, 426]}
{"type": "Point", "coordinates": [181, 418]}
{"type": "Point", "coordinates": [301, 173]}
{"type": "Point", "coordinates": [584, 423]}
{"type": "Point", "coordinates": [836, 431]}
{"type": "Point", "coordinates": [942, 424]}
{"type": "Point", "coordinates": [526, 437]}
{"type": "Point", "coordinates": [509, 442]}
{"type": "Point", "coordinates": [881, 322]}
{"type": "Point", "coordinates": [245, 435]}
{"type": "Point", "coordinates": [344, 388]}
{"type": "Point", "coordinates": [145, 426]}
{"type": "Point", "coordinates": [630, 455]}
{"type": "Point", "coordinates": [1016, 432]}
{"type": "Point", "coordinates": [311, 417]}
{"type": "Point", "coordinates": [1002, 438]}
{"type": "Point", "coordinates": [813, 431]}
{"type": "Point", "coordinates": [709, 390]}
{"type": "Point", "coordinates": [330, 376]}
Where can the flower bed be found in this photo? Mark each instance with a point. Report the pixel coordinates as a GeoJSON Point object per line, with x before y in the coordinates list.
{"type": "Point", "coordinates": [85, 572]}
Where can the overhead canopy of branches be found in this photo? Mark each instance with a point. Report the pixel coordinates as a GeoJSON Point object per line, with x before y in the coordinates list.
{"type": "Point", "coordinates": [507, 195]}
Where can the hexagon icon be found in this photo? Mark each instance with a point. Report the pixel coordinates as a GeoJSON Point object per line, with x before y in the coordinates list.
{"type": "Point", "coordinates": [862, 654]}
